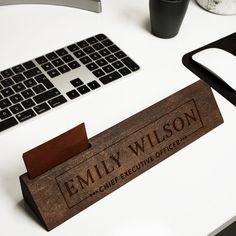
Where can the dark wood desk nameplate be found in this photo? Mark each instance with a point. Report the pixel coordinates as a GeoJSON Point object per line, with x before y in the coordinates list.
{"type": "Point", "coordinates": [118, 154]}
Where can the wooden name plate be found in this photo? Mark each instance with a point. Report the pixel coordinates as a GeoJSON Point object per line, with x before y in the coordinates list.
{"type": "Point", "coordinates": [121, 153]}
